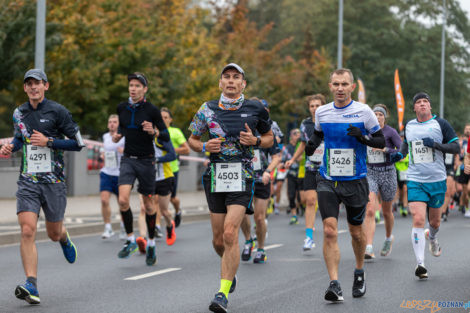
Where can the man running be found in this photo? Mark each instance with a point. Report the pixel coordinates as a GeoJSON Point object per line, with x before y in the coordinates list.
{"type": "Point", "coordinates": [40, 125]}
{"type": "Point", "coordinates": [137, 121]}
{"type": "Point", "coordinates": [312, 165]}
{"type": "Point", "coordinates": [181, 147]}
{"type": "Point", "coordinates": [293, 181]}
{"type": "Point", "coordinates": [346, 127]}
{"type": "Point", "coordinates": [427, 137]}
{"type": "Point", "coordinates": [109, 174]}
{"type": "Point", "coordinates": [228, 181]}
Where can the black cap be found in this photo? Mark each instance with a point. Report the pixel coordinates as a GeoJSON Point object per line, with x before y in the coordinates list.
{"type": "Point", "coordinates": [421, 95]}
{"type": "Point", "coordinates": [235, 67]}
{"type": "Point", "coordinates": [35, 73]}
{"type": "Point", "coordinates": [139, 76]}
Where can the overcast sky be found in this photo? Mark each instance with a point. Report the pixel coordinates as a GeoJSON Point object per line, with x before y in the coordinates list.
{"type": "Point", "coordinates": [465, 4]}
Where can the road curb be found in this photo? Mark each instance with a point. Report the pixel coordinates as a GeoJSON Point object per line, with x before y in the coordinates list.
{"type": "Point", "coordinates": [85, 229]}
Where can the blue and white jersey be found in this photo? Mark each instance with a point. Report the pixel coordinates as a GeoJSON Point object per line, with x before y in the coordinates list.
{"type": "Point", "coordinates": [344, 153]}
{"type": "Point", "coordinates": [429, 169]}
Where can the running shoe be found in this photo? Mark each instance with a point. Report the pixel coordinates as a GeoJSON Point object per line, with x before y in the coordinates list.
{"type": "Point", "coordinates": [177, 219]}
{"type": "Point", "coordinates": [276, 211]}
{"type": "Point", "coordinates": [260, 257]}
{"type": "Point", "coordinates": [170, 234]}
{"type": "Point", "coordinates": [122, 233]}
{"type": "Point", "coordinates": [247, 248]}
{"type": "Point", "coordinates": [158, 231]}
{"type": "Point", "coordinates": [234, 284]}
{"type": "Point", "coordinates": [219, 303]}
{"type": "Point", "coordinates": [421, 272]}
{"type": "Point", "coordinates": [27, 292]}
{"type": "Point", "coordinates": [294, 220]}
{"type": "Point", "coordinates": [369, 255]}
{"type": "Point", "coordinates": [403, 211]}
{"type": "Point", "coordinates": [444, 217]}
{"type": "Point", "coordinates": [426, 233]}
{"type": "Point", "coordinates": [377, 216]}
{"type": "Point", "coordinates": [467, 213]}
{"type": "Point", "coordinates": [334, 292]}
{"type": "Point", "coordinates": [359, 285]}
{"type": "Point", "coordinates": [387, 247]}
{"type": "Point", "coordinates": [108, 233]}
{"type": "Point", "coordinates": [434, 247]}
{"type": "Point", "coordinates": [128, 249]}
{"type": "Point", "coordinates": [69, 249]}
{"type": "Point", "coordinates": [151, 257]}
{"type": "Point", "coordinates": [309, 244]}
{"type": "Point", "coordinates": [142, 243]}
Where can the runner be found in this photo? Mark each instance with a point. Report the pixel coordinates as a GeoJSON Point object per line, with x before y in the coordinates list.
{"type": "Point", "coordinates": [181, 147]}
{"type": "Point", "coordinates": [312, 165]}
{"type": "Point", "coordinates": [449, 160]}
{"type": "Point", "coordinates": [382, 179]}
{"type": "Point", "coordinates": [346, 126]}
{"type": "Point", "coordinates": [402, 167]}
{"type": "Point", "coordinates": [109, 174]}
{"type": "Point", "coordinates": [293, 181]}
{"type": "Point", "coordinates": [40, 125]}
{"type": "Point", "coordinates": [462, 177]}
{"type": "Point", "coordinates": [137, 121]}
{"type": "Point", "coordinates": [264, 162]}
{"type": "Point", "coordinates": [228, 181]}
{"type": "Point", "coordinates": [427, 137]}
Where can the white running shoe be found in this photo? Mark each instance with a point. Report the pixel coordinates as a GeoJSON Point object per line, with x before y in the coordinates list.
{"type": "Point", "coordinates": [108, 233]}
{"type": "Point", "coordinates": [467, 213]}
{"type": "Point", "coordinates": [434, 247]}
{"type": "Point", "coordinates": [369, 255]}
{"type": "Point", "coordinates": [309, 244]}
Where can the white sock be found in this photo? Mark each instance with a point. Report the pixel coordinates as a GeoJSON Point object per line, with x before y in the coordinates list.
{"type": "Point", "coordinates": [419, 242]}
{"type": "Point", "coordinates": [389, 238]}
{"type": "Point", "coordinates": [151, 242]}
{"type": "Point", "coordinates": [108, 226]}
{"type": "Point", "coordinates": [131, 238]}
{"type": "Point", "coordinates": [432, 232]}
{"type": "Point", "coordinates": [369, 247]}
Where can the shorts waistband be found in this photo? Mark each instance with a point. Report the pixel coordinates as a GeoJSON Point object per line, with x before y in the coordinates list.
{"type": "Point", "coordinates": [381, 168]}
{"type": "Point", "coordinates": [139, 157]}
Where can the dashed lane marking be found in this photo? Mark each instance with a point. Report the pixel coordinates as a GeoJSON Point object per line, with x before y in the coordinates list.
{"type": "Point", "coordinates": [168, 270]}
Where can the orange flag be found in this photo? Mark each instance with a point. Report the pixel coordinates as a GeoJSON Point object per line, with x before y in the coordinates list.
{"type": "Point", "coordinates": [400, 101]}
{"type": "Point", "coordinates": [362, 91]}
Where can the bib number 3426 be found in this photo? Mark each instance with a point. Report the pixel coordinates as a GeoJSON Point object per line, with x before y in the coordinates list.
{"type": "Point", "coordinates": [227, 177]}
{"type": "Point", "coordinates": [38, 159]}
{"type": "Point", "coordinates": [341, 162]}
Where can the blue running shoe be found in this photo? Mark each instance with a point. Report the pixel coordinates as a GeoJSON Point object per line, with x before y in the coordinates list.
{"type": "Point", "coordinates": [219, 304]}
{"type": "Point", "coordinates": [151, 257]}
{"type": "Point", "coordinates": [128, 249]}
{"type": "Point", "coordinates": [69, 249]}
{"type": "Point", "coordinates": [27, 292]}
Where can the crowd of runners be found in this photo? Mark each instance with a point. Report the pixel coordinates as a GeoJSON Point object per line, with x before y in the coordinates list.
{"type": "Point", "coordinates": [344, 156]}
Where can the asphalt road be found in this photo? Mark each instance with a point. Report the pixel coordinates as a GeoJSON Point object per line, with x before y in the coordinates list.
{"type": "Point", "coordinates": [187, 274]}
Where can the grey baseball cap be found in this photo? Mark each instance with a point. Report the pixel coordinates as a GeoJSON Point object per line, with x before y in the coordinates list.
{"type": "Point", "coordinates": [234, 66]}
{"type": "Point", "coordinates": [35, 73]}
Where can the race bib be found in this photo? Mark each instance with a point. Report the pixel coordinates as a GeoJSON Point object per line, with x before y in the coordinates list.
{"type": "Point", "coordinates": [449, 159]}
{"type": "Point", "coordinates": [281, 174]}
{"type": "Point", "coordinates": [110, 159]}
{"type": "Point", "coordinates": [256, 160]}
{"type": "Point", "coordinates": [421, 153]}
{"type": "Point", "coordinates": [39, 159]}
{"type": "Point", "coordinates": [402, 175]}
{"type": "Point", "coordinates": [227, 177]}
{"type": "Point", "coordinates": [341, 162]}
{"type": "Point", "coordinates": [375, 156]}
{"type": "Point", "coordinates": [317, 156]}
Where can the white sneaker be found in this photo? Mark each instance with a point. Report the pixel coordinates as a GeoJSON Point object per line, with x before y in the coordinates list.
{"type": "Point", "coordinates": [108, 232]}
{"type": "Point", "coordinates": [434, 247]}
{"type": "Point", "coordinates": [467, 213]}
{"type": "Point", "coordinates": [369, 255]}
{"type": "Point", "coordinates": [309, 244]}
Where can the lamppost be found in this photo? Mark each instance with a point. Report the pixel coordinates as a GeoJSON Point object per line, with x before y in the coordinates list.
{"type": "Point", "coordinates": [443, 53]}
{"type": "Point", "coordinates": [340, 34]}
{"type": "Point", "coordinates": [40, 34]}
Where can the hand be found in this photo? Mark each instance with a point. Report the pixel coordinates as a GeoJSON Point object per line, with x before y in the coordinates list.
{"type": "Point", "coordinates": [213, 145]}
{"type": "Point", "coordinates": [428, 142]}
{"type": "Point", "coordinates": [467, 169]}
{"type": "Point", "coordinates": [6, 149]}
{"type": "Point", "coordinates": [148, 127]}
{"type": "Point", "coordinates": [395, 157]}
{"type": "Point", "coordinates": [116, 137]}
{"type": "Point", "coordinates": [288, 164]}
{"type": "Point", "coordinates": [266, 178]}
{"type": "Point", "coordinates": [246, 137]}
{"type": "Point", "coordinates": [354, 131]}
{"type": "Point", "coordinates": [38, 139]}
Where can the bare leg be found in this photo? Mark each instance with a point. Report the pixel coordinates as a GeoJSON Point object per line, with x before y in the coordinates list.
{"type": "Point", "coordinates": [105, 208]}
{"type": "Point", "coordinates": [29, 253]}
{"type": "Point", "coordinates": [358, 241]}
{"type": "Point", "coordinates": [331, 252]}
{"type": "Point", "coordinates": [231, 256]}
{"type": "Point", "coordinates": [261, 206]}
{"type": "Point", "coordinates": [369, 221]}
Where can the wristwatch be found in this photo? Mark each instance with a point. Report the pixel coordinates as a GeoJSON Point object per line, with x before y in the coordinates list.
{"type": "Point", "coordinates": [258, 141]}
{"type": "Point", "coordinates": [50, 141]}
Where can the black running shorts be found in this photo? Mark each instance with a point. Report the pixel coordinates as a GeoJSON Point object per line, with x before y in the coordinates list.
{"type": "Point", "coordinates": [218, 201]}
{"type": "Point", "coordinates": [310, 180]}
{"type": "Point", "coordinates": [262, 191]}
{"type": "Point", "coordinates": [141, 169]}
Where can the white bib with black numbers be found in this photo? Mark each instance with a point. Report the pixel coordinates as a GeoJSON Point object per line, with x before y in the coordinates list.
{"type": "Point", "coordinates": [341, 162]}
{"type": "Point", "coordinates": [256, 160]}
{"type": "Point", "coordinates": [110, 159]}
{"type": "Point", "coordinates": [317, 156]}
{"type": "Point", "coordinates": [449, 159]}
{"type": "Point", "coordinates": [375, 156]}
{"type": "Point", "coordinates": [402, 176]}
{"type": "Point", "coordinates": [38, 159]}
{"type": "Point", "coordinates": [421, 153]}
{"type": "Point", "coordinates": [227, 177]}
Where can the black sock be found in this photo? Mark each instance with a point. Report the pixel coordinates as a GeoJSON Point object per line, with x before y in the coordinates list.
{"type": "Point", "coordinates": [128, 220]}
{"type": "Point", "coordinates": [150, 220]}
{"type": "Point", "coordinates": [32, 280]}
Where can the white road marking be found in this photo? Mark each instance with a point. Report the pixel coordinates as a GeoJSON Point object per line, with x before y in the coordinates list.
{"type": "Point", "coordinates": [273, 246]}
{"type": "Point", "coordinates": [342, 231]}
{"type": "Point", "coordinates": [79, 220]}
{"type": "Point", "coordinates": [168, 270]}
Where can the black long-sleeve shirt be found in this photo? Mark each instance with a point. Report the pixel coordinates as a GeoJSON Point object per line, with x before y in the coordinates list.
{"type": "Point", "coordinates": [139, 142]}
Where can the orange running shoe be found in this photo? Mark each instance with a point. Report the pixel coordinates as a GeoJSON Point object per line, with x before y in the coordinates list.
{"type": "Point", "coordinates": [170, 234]}
{"type": "Point", "coordinates": [142, 243]}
